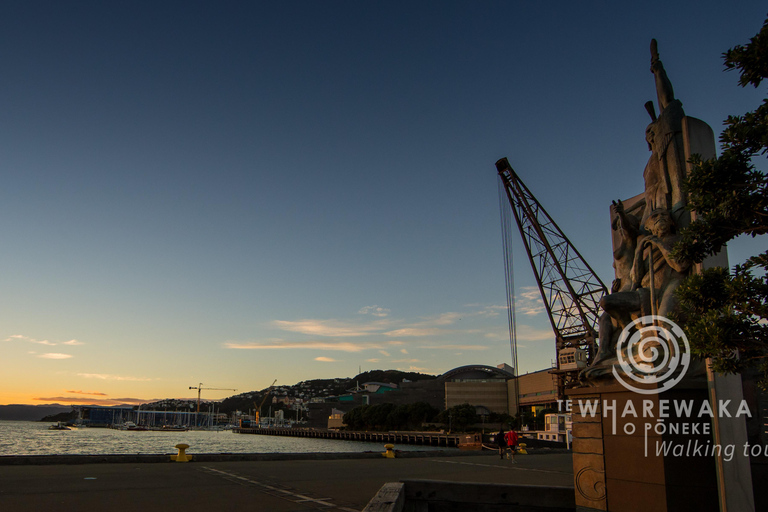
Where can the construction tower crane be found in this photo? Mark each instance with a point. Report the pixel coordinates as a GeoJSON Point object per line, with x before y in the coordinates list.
{"type": "Point", "coordinates": [257, 414]}
{"type": "Point", "coordinates": [569, 287]}
{"type": "Point", "coordinates": [200, 388]}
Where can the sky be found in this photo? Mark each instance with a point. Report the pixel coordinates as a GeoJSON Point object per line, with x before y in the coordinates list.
{"type": "Point", "coordinates": [229, 193]}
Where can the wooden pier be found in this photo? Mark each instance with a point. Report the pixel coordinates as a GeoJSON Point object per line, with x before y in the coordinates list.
{"type": "Point", "coordinates": [419, 438]}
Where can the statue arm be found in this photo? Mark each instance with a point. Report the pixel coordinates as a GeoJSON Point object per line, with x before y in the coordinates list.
{"type": "Point", "coordinates": [664, 92]}
{"type": "Point", "coordinates": [665, 246]}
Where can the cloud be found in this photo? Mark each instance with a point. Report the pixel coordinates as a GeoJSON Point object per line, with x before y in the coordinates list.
{"type": "Point", "coordinates": [417, 332]}
{"type": "Point", "coordinates": [406, 361]}
{"type": "Point", "coordinates": [419, 370]}
{"type": "Point", "coordinates": [94, 401]}
{"type": "Point", "coordinates": [528, 333]}
{"type": "Point", "coordinates": [28, 339]}
{"type": "Point", "coordinates": [446, 319]}
{"type": "Point", "coordinates": [331, 328]}
{"type": "Point", "coordinates": [488, 311]}
{"type": "Point", "coordinates": [319, 345]}
{"type": "Point", "coordinates": [374, 310]}
{"type": "Point", "coordinates": [403, 351]}
{"type": "Point", "coordinates": [78, 392]}
{"type": "Point", "coordinates": [54, 355]}
{"type": "Point", "coordinates": [455, 347]}
{"type": "Point", "coordinates": [372, 360]}
{"type": "Point", "coordinates": [325, 359]}
{"type": "Point", "coordinates": [106, 376]}
{"type": "Point", "coordinates": [528, 301]}
{"type": "Point", "coordinates": [384, 353]}
{"type": "Point", "coordinates": [42, 342]}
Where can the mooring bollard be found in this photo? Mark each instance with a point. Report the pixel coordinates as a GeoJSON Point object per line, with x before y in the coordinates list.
{"type": "Point", "coordinates": [182, 456]}
{"type": "Point", "coordinates": [390, 453]}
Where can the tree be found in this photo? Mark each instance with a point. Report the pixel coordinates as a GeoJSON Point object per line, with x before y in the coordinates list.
{"type": "Point", "coordinates": [725, 315]}
{"type": "Point", "coordinates": [459, 417]}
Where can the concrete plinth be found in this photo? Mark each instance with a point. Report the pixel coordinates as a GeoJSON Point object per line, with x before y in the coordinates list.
{"type": "Point", "coordinates": [634, 452]}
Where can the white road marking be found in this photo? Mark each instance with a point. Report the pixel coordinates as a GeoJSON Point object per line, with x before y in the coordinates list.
{"type": "Point", "coordinates": [298, 497]}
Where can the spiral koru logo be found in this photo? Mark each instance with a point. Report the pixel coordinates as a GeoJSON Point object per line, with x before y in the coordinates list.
{"type": "Point", "coordinates": [652, 350]}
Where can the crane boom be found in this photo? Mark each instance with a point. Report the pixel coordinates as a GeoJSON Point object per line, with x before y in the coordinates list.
{"type": "Point", "coordinates": [200, 388]}
{"type": "Point", "coordinates": [571, 290]}
{"type": "Point", "coordinates": [257, 414]}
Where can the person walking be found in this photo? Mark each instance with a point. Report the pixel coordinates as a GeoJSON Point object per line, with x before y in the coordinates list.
{"type": "Point", "coordinates": [501, 440]}
{"type": "Point", "coordinates": [510, 439]}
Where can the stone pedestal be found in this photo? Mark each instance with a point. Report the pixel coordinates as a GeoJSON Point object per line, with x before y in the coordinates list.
{"type": "Point", "coordinates": [619, 445]}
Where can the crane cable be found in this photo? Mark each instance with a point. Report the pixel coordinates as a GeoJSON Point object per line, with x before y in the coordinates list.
{"type": "Point", "coordinates": [505, 212]}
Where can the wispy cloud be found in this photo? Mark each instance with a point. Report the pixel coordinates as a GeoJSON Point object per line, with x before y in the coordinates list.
{"type": "Point", "coordinates": [94, 393]}
{"type": "Point", "coordinates": [384, 353]}
{"type": "Point", "coordinates": [54, 355]}
{"type": "Point", "coordinates": [94, 401]}
{"type": "Point", "coordinates": [331, 328]}
{"type": "Point", "coordinates": [403, 351]}
{"type": "Point", "coordinates": [21, 337]}
{"type": "Point", "coordinates": [414, 332]}
{"type": "Point", "coordinates": [419, 370]}
{"type": "Point", "coordinates": [346, 346]}
{"type": "Point", "coordinates": [528, 333]}
{"type": "Point", "coordinates": [455, 347]}
{"type": "Point", "coordinates": [106, 376]}
{"type": "Point", "coordinates": [528, 301]}
{"type": "Point", "coordinates": [325, 359]}
{"type": "Point", "coordinates": [374, 310]}
{"type": "Point", "coordinates": [406, 361]}
{"type": "Point", "coordinates": [372, 360]}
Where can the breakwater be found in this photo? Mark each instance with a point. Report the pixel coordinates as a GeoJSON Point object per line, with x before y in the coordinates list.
{"type": "Point", "coordinates": [417, 438]}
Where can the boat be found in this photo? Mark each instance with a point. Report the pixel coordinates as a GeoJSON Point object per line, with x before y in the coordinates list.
{"type": "Point", "coordinates": [129, 425]}
{"type": "Point", "coordinates": [59, 426]}
{"type": "Point", "coordinates": [172, 428]}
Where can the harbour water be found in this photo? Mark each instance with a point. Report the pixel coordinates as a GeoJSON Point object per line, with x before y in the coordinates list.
{"type": "Point", "coordinates": [34, 438]}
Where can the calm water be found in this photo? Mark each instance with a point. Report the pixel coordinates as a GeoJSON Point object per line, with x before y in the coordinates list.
{"type": "Point", "coordinates": [34, 438]}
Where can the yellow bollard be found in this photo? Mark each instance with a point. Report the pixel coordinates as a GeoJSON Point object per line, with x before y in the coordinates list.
{"type": "Point", "coordinates": [522, 449]}
{"type": "Point", "coordinates": [182, 456]}
{"type": "Point", "coordinates": [390, 453]}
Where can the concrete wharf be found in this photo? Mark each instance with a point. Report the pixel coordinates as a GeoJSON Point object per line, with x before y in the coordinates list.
{"type": "Point", "coordinates": [418, 438]}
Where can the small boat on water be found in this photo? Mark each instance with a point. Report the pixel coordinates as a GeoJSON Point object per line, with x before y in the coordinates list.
{"type": "Point", "coordinates": [59, 426]}
{"type": "Point", "coordinates": [172, 428]}
{"type": "Point", "coordinates": [129, 425]}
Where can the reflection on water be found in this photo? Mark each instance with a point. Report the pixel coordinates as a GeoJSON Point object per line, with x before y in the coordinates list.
{"type": "Point", "coordinates": [34, 438]}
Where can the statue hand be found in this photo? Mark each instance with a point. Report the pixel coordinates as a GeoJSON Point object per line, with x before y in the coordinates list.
{"type": "Point", "coordinates": [652, 239]}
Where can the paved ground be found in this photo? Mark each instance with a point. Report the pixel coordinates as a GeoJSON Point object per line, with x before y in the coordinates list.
{"type": "Point", "coordinates": [269, 486]}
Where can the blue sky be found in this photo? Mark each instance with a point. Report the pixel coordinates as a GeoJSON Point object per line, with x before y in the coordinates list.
{"type": "Point", "coordinates": [234, 192]}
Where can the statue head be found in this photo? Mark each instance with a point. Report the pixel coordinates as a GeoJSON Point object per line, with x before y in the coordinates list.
{"type": "Point", "coordinates": [650, 136]}
{"type": "Point", "coordinates": [659, 222]}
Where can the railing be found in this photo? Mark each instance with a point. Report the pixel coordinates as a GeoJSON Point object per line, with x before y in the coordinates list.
{"type": "Point", "coordinates": [420, 438]}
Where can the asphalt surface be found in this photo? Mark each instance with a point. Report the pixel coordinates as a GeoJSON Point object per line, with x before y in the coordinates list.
{"type": "Point", "coordinates": [269, 486]}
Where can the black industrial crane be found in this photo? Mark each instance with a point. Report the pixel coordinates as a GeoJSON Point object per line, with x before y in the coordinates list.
{"type": "Point", "coordinates": [569, 287]}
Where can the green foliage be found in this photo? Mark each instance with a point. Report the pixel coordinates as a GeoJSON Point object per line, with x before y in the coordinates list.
{"type": "Point", "coordinates": [459, 417]}
{"type": "Point", "coordinates": [724, 315]}
{"type": "Point", "coordinates": [389, 416]}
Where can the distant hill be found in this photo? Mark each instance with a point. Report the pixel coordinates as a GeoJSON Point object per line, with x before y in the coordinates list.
{"type": "Point", "coordinates": [31, 412]}
{"type": "Point", "coordinates": [305, 390]}
{"type": "Point", "coordinates": [317, 388]}
{"type": "Point", "coordinates": [391, 376]}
